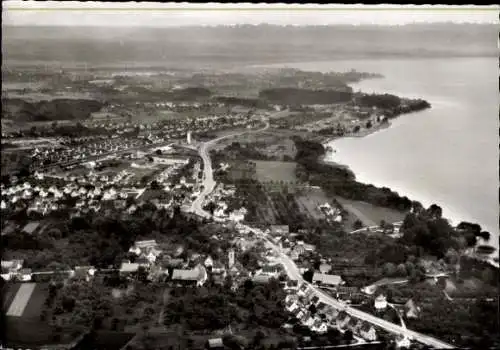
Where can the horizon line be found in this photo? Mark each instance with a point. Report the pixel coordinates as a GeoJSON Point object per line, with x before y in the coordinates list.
{"type": "Point", "coordinates": [256, 25]}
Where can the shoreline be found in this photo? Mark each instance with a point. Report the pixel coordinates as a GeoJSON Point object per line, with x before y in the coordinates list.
{"type": "Point", "coordinates": [326, 140]}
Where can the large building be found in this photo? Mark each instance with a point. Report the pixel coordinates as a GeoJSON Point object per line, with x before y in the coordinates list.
{"type": "Point", "coordinates": [327, 280]}
{"type": "Point", "coordinates": [169, 160]}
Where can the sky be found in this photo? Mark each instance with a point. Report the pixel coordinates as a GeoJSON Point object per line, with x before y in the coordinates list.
{"type": "Point", "coordinates": [74, 13]}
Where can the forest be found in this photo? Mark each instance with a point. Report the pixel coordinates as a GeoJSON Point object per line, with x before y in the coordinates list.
{"type": "Point", "coordinates": [294, 96]}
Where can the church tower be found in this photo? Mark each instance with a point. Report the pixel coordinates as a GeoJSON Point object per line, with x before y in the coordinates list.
{"type": "Point", "coordinates": [231, 258]}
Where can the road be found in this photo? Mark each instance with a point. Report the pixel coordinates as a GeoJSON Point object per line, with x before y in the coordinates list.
{"type": "Point", "coordinates": [290, 266]}
{"type": "Point", "coordinates": [294, 273]}
{"type": "Point", "coordinates": [208, 178]}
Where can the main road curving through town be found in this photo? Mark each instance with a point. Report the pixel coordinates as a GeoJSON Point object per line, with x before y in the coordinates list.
{"type": "Point", "coordinates": [294, 273]}
{"type": "Point", "coordinates": [208, 177]}
{"type": "Point", "coordinates": [290, 266]}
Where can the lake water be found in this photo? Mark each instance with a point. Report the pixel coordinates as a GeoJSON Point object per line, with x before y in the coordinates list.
{"type": "Point", "coordinates": [446, 155]}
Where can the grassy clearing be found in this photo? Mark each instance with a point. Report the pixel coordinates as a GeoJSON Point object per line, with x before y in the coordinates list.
{"type": "Point", "coordinates": [21, 300]}
{"type": "Point", "coordinates": [308, 203]}
{"type": "Point", "coordinates": [369, 214]}
{"type": "Point", "coordinates": [275, 171]}
{"type": "Point", "coordinates": [9, 292]}
{"type": "Point", "coordinates": [28, 329]}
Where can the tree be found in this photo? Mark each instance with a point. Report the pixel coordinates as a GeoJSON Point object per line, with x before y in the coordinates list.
{"type": "Point", "coordinates": [308, 275]}
{"type": "Point", "coordinates": [382, 224]}
{"type": "Point", "coordinates": [451, 256]}
{"type": "Point", "coordinates": [484, 235]}
{"type": "Point", "coordinates": [357, 224]}
{"type": "Point", "coordinates": [401, 270]}
{"type": "Point", "coordinates": [389, 269]}
{"type": "Point", "coordinates": [435, 211]}
{"type": "Point", "coordinates": [348, 336]}
{"type": "Point", "coordinates": [410, 268]}
{"type": "Point", "coordinates": [142, 273]}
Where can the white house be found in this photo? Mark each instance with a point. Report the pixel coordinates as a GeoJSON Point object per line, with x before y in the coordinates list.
{"type": "Point", "coordinates": [403, 342]}
{"type": "Point", "coordinates": [367, 331]}
{"type": "Point", "coordinates": [209, 262]}
{"type": "Point", "coordinates": [327, 280]}
{"type": "Point", "coordinates": [238, 215]}
{"type": "Point", "coordinates": [380, 302]}
{"type": "Point", "coordinates": [319, 326]}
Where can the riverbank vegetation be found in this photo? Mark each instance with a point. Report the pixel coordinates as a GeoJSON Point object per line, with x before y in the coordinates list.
{"type": "Point", "coordinates": [340, 181]}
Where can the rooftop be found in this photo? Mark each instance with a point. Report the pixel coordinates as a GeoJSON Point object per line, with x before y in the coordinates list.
{"type": "Point", "coordinates": [327, 279]}
{"type": "Point", "coordinates": [31, 227]}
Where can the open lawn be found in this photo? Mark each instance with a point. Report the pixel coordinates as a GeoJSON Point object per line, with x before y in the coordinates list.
{"type": "Point", "coordinates": [309, 201]}
{"type": "Point", "coordinates": [27, 329]}
{"type": "Point", "coordinates": [21, 299]}
{"type": "Point", "coordinates": [9, 292]}
{"type": "Point", "coordinates": [275, 171]}
{"type": "Point", "coordinates": [369, 214]}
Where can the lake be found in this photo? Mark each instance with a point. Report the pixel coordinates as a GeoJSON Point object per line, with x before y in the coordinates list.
{"type": "Point", "coordinates": [446, 155]}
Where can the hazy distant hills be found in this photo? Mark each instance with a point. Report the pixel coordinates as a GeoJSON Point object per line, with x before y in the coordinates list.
{"type": "Point", "coordinates": [244, 44]}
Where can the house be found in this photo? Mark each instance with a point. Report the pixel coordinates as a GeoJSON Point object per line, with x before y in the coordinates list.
{"type": "Point", "coordinates": [309, 247]}
{"type": "Point", "coordinates": [319, 326]}
{"type": "Point", "coordinates": [31, 227]}
{"type": "Point", "coordinates": [331, 313]}
{"type": "Point", "coordinates": [196, 276]}
{"type": "Point", "coordinates": [209, 262]}
{"type": "Point", "coordinates": [156, 273]}
{"type": "Point", "coordinates": [172, 262]}
{"type": "Point", "coordinates": [279, 230]}
{"type": "Point", "coordinates": [321, 307]}
{"type": "Point", "coordinates": [367, 331]}
{"type": "Point", "coordinates": [303, 289]}
{"type": "Point", "coordinates": [292, 305]}
{"type": "Point", "coordinates": [24, 275]}
{"type": "Point", "coordinates": [140, 246]}
{"type": "Point", "coordinates": [291, 285]}
{"type": "Point", "coordinates": [354, 325]}
{"type": "Point", "coordinates": [307, 319]}
{"type": "Point", "coordinates": [238, 215]}
{"type": "Point", "coordinates": [271, 270]}
{"type": "Point", "coordinates": [327, 280]}
{"type": "Point", "coordinates": [128, 268]}
{"type": "Point", "coordinates": [402, 342]}
{"type": "Point", "coordinates": [12, 265]}
{"type": "Point", "coordinates": [215, 343]}
{"type": "Point", "coordinates": [347, 290]}
{"type": "Point", "coordinates": [325, 268]}
{"type": "Point", "coordinates": [297, 251]}
{"type": "Point", "coordinates": [343, 319]}
{"type": "Point", "coordinates": [83, 273]}
{"type": "Point", "coordinates": [314, 300]}
{"type": "Point", "coordinates": [219, 269]}
{"type": "Point", "coordinates": [380, 302]}
{"type": "Point", "coordinates": [411, 309]}
{"type": "Point", "coordinates": [261, 278]}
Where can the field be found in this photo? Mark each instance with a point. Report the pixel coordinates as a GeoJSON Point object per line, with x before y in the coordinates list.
{"type": "Point", "coordinates": [20, 301]}
{"type": "Point", "coordinates": [308, 203]}
{"type": "Point", "coordinates": [369, 214]}
{"type": "Point", "coordinates": [275, 171]}
{"type": "Point", "coordinates": [25, 327]}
